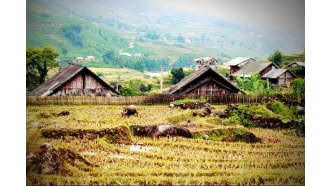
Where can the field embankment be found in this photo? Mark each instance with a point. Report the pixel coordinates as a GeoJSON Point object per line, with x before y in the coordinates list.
{"type": "Point", "coordinates": [278, 158]}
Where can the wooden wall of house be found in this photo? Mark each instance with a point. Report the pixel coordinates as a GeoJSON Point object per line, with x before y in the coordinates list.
{"type": "Point", "coordinates": [210, 88]}
{"type": "Point", "coordinates": [76, 82]}
{"type": "Point", "coordinates": [267, 69]}
{"type": "Point", "coordinates": [83, 92]}
{"type": "Point", "coordinates": [83, 85]}
{"type": "Point", "coordinates": [234, 69]}
{"type": "Point", "coordinates": [91, 82]}
{"type": "Point", "coordinates": [83, 81]}
{"type": "Point", "coordinates": [286, 79]}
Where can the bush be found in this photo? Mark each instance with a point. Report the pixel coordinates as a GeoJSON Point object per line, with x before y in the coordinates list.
{"type": "Point", "coordinates": [126, 91]}
{"type": "Point", "coordinates": [298, 87]}
{"type": "Point", "coordinates": [201, 99]}
{"type": "Point", "coordinates": [281, 109]}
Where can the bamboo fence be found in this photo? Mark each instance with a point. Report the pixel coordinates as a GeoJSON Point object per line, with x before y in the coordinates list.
{"type": "Point", "coordinates": [158, 99]}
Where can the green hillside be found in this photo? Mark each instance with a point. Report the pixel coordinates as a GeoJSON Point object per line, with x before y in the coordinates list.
{"type": "Point", "coordinates": [45, 29]}
{"type": "Point", "coordinates": [143, 29]}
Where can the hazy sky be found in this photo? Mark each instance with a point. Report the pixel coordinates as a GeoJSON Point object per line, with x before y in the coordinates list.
{"type": "Point", "coordinates": [285, 15]}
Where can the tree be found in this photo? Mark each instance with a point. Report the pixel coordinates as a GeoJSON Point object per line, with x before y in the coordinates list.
{"type": "Point", "coordinates": [144, 88]}
{"type": "Point", "coordinates": [276, 57]}
{"type": "Point", "coordinates": [38, 62]}
{"type": "Point", "coordinates": [72, 33]}
{"type": "Point", "coordinates": [298, 87]}
{"type": "Point", "coordinates": [181, 39]}
{"type": "Point", "coordinates": [254, 84]}
{"type": "Point", "coordinates": [186, 60]}
{"type": "Point", "coordinates": [177, 75]}
{"type": "Point", "coordinates": [127, 91]}
{"type": "Point", "coordinates": [109, 56]}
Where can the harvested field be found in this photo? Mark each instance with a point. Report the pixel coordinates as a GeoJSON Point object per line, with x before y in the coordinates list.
{"type": "Point", "coordinates": [275, 157]}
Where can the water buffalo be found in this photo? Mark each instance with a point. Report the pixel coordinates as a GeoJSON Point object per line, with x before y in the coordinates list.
{"type": "Point", "coordinates": [205, 111]}
{"type": "Point", "coordinates": [129, 110]}
{"type": "Point", "coordinates": [166, 130]}
{"type": "Point", "coordinates": [300, 110]}
{"type": "Point", "coordinates": [220, 113]}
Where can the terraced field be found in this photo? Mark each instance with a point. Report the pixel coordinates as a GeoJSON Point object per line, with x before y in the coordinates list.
{"type": "Point", "coordinates": [279, 159]}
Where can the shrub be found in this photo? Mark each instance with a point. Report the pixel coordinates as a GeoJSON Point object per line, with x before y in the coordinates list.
{"type": "Point", "coordinates": [284, 111]}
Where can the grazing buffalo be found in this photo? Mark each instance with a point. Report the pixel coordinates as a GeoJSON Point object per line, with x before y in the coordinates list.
{"type": "Point", "coordinates": [205, 111]}
{"type": "Point", "coordinates": [300, 110]}
{"type": "Point", "coordinates": [166, 130]}
{"type": "Point", "coordinates": [129, 110]}
{"type": "Point", "coordinates": [220, 113]}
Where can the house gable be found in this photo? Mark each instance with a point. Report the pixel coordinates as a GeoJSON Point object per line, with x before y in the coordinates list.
{"type": "Point", "coordinates": [255, 67]}
{"type": "Point", "coordinates": [238, 62]}
{"type": "Point", "coordinates": [209, 61]}
{"type": "Point", "coordinates": [280, 77]}
{"type": "Point", "coordinates": [203, 81]}
{"type": "Point", "coordinates": [74, 80]}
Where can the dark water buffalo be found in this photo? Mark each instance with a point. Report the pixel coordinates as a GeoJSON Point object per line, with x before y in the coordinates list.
{"type": "Point", "coordinates": [166, 130]}
{"type": "Point", "coordinates": [205, 111]}
{"type": "Point", "coordinates": [129, 110]}
{"type": "Point", "coordinates": [220, 113]}
{"type": "Point", "coordinates": [300, 110]}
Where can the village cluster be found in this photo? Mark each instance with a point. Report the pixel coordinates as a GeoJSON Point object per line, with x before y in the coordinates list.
{"type": "Point", "coordinates": [77, 80]}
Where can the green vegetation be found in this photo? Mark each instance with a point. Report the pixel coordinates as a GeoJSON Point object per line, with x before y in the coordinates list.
{"type": "Point", "coordinates": [104, 28]}
{"type": "Point", "coordinates": [282, 60]}
{"type": "Point", "coordinates": [276, 57]}
{"type": "Point", "coordinates": [127, 91]}
{"type": "Point", "coordinates": [298, 87]}
{"type": "Point", "coordinates": [177, 75]}
{"type": "Point", "coordinates": [38, 62]}
{"type": "Point", "coordinates": [201, 99]}
{"type": "Point", "coordinates": [276, 109]}
{"type": "Point", "coordinates": [72, 33]}
{"type": "Point", "coordinates": [254, 85]}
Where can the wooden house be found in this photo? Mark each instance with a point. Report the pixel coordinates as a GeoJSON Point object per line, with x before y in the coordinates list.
{"type": "Point", "coordinates": [298, 68]}
{"type": "Point", "coordinates": [237, 63]}
{"type": "Point", "coordinates": [209, 61]}
{"type": "Point", "coordinates": [266, 70]}
{"type": "Point", "coordinates": [74, 80]}
{"type": "Point", "coordinates": [204, 81]}
{"type": "Point", "coordinates": [252, 67]}
{"type": "Point", "coordinates": [280, 77]}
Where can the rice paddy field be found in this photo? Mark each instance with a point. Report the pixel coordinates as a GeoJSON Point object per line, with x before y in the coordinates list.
{"type": "Point", "coordinates": [278, 159]}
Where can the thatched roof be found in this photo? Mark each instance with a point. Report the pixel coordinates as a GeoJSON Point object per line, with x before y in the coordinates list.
{"type": "Point", "coordinates": [63, 76]}
{"type": "Point", "coordinates": [205, 70]}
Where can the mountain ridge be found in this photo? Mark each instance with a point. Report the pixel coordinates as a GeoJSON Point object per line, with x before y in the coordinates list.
{"type": "Point", "coordinates": [113, 25]}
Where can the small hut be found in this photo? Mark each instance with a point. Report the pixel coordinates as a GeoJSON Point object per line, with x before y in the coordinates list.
{"type": "Point", "coordinates": [209, 61]}
{"type": "Point", "coordinates": [203, 81]}
{"type": "Point", "coordinates": [74, 80]}
{"type": "Point", "coordinates": [280, 77]}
